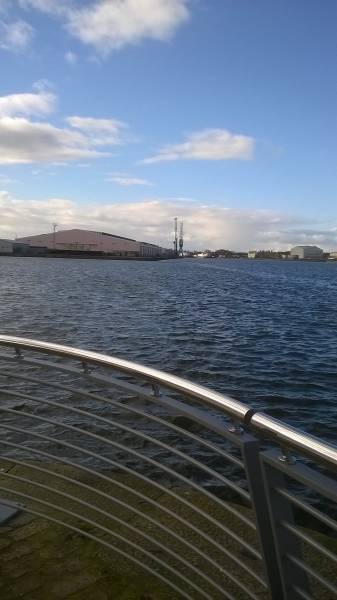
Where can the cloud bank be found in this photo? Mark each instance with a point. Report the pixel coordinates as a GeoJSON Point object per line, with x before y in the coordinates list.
{"type": "Point", "coordinates": [151, 220]}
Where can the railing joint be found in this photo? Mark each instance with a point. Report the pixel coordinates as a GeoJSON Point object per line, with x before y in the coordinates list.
{"type": "Point", "coordinates": [86, 368]}
{"type": "Point", "coordinates": [18, 353]}
{"type": "Point", "coordinates": [156, 390]}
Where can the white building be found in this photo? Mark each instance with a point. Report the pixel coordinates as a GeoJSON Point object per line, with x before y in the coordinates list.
{"type": "Point", "coordinates": [74, 240]}
{"type": "Point", "coordinates": [6, 247]}
{"type": "Point", "coordinates": [306, 252]}
{"type": "Point", "coordinates": [252, 254]}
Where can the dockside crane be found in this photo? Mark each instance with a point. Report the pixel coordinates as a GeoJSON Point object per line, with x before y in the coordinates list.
{"type": "Point", "coordinates": [178, 240]}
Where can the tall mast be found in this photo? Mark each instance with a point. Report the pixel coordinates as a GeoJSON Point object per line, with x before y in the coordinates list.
{"type": "Point", "coordinates": [175, 243]}
{"type": "Point", "coordinates": [54, 234]}
{"type": "Point", "coordinates": [181, 238]}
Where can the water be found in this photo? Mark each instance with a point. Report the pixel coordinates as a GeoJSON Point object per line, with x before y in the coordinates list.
{"type": "Point", "coordinates": [264, 332]}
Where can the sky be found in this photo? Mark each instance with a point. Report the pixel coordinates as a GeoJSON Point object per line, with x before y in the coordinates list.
{"type": "Point", "coordinates": [118, 115]}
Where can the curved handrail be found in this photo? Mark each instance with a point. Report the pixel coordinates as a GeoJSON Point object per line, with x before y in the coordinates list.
{"type": "Point", "coordinates": [285, 435]}
{"type": "Point", "coordinates": [231, 407]}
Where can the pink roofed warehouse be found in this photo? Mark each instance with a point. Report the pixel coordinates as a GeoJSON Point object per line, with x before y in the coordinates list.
{"type": "Point", "coordinates": [93, 241]}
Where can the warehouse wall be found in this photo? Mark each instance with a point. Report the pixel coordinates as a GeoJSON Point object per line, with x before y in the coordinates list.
{"type": "Point", "coordinates": [6, 247]}
{"type": "Point", "coordinates": [87, 241]}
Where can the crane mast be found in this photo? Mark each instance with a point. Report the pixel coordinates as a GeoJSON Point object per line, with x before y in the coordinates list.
{"type": "Point", "coordinates": [181, 238]}
{"type": "Point", "coordinates": [175, 243]}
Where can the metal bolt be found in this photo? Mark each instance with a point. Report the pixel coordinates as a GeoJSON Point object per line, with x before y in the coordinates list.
{"type": "Point", "coordinates": [18, 352]}
{"type": "Point", "coordinates": [235, 427]}
{"type": "Point", "coordinates": [286, 457]}
{"type": "Point", "coordinates": [86, 368]}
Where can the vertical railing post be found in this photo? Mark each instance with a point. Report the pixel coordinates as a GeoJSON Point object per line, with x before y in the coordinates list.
{"type": "Point", "coordinates": [250, 453]}
{"type": "Point", "coordinates": [281, 510]}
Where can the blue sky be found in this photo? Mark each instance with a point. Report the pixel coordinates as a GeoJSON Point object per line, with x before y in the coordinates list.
{"type": "Point", "coordinates": [126, 113]}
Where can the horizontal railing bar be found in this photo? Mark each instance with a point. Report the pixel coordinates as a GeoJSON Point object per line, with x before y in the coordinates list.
{"type": "Point", "coordinates": [302, 593]}
{"type": "Point", "coordinates": [312, 478]}
{"type": "Point", "coordinates": [139, 495]}
{"type": "Point", "coordinates": [224, 403]}
{"type": "Point", "coordinates": [131, 508]}
{"type": "Point", "coordinates": [205, 492]}
{"type": "Point", "coordinates": [313, 574]}
{"type": "Point", "coordinates": [290, 437]}
{"type": "Point", "coordinates": [135, 453]}
{"type": "Point", "coordinates": [124, 524]}
{"type": "Point", "coordinates": [105, 543]}
{"type": "Point", "coordinates": [132, 409]}
{"type": "Point", "coordinates": [306, 538]}
{"type": "Point", "coordinates": [128, 470]}
{"type": "Point", "coordinates": [108, 496]}
{"type": "Point", "coordinates": [309, 509]}
{"type": "Point", "coordinates": [206, 419]}
{"type": "Point", "coordinates": [145, 437]}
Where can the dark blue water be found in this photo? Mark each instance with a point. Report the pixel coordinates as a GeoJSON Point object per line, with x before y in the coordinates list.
{"type": "Point", "coordinates": [264, 332]}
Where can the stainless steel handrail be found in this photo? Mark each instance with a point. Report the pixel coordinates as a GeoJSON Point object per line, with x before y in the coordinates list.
{"type": "Point", "coordinates": [290, 437]}
{"type": "Point", "coordinates": [285, 435]}
{"type": "Point", "coordinates": [234, 409]}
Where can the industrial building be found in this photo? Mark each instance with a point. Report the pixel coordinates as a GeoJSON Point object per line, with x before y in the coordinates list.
{"type": "Point", "coordinates": [6, 246]}
{"type": "Point", "coordinates": [81, 240]}
{"type": "Point", "coordinates": [306, 252]}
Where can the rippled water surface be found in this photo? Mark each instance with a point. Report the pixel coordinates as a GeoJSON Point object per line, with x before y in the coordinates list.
{"type": "Point", "coordinates": [264, 332]}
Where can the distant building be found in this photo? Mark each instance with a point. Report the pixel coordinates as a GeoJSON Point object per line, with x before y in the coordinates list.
{"type": "Point", "coordinates": [306, 252]}
{"type": "Point", "coordinates": [333, 256]}
{"type": "Point", "coordinates": [21, 249]}
{"type": "Point", "coordinates": [6, 247]}
{"type": "Point", "coordinates": [264, 254]}
{"type": "Point", "coordinates": [146, 249]}
{"type": "Point", "coordinates": [81, 240]}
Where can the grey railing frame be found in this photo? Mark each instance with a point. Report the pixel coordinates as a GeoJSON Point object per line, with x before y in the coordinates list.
{"type": "Point", "coordinates": [287, 574]}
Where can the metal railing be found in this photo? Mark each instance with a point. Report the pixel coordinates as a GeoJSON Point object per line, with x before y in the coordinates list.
{"type": "Point", "coordinates": [206, 495]}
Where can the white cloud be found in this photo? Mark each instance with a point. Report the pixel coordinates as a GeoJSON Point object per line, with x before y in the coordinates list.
{"type": "Point", "coordinates": [71, 57]}
{"type": "Point", "coordinates": [100, 131]}
{"type": "Point", "coordinates": [42, 103]}
{"type": "Point", "coordinates": [107, 25]}
{"type": "Point", "coordinates": [206, 226]}
{"type": "Point", "coordinates": [209, 144]}
{"type": "Point", "coordinates": [126, 180]}
{"type": "Point", "coordinates": [25, 141]}
{"type": "Point", "coordinates": [15, 36]}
